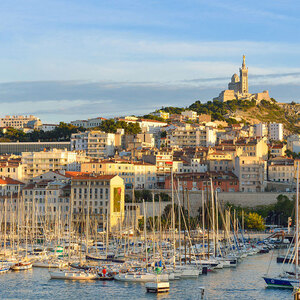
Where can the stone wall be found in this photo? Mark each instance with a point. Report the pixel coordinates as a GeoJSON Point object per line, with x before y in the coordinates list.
{"type": "Point", "coordinates": [238, 198]}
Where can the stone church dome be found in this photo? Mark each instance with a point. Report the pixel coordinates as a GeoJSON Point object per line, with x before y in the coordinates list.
{"type": "Point", "coordinates": [235, 78]}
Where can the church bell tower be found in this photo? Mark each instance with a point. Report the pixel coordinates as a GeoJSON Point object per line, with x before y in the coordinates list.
{"type": "Point", "coordinates": [243, 78]}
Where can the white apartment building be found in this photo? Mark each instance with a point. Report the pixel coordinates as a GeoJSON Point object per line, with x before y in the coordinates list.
{"type": "Point", "coordinates": [48, 127]}
{"type": "Point", "coordinates": [89, 123]}
{"type": "Point", "coordinates": [189, 114]}
{"type": "Point", "coordinates": [189, 136]}
{"type": "Point", "coordinates": [97, 144]}
{"type": "Point", "coordinates": [37, 163]}
{"type": "Point", "coordinates": [276, 131]}
{"type": "Point", "coordinates": [20, 122]}
{"type": "Point", "coordinates": [151, 126]}
{"type": "Point", "coordinates": [193, 166]}
{"type": "Point", "coordinates": [261, 130]}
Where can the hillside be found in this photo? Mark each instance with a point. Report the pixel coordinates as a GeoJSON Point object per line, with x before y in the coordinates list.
{"type": "Point", "coordinates": [248, 112]}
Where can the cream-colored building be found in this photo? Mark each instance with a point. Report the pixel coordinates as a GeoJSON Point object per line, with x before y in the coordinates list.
{"type": "Point", "coordinates": [37, 163]}
{"type": "Point", "coordinates": [163, 162]}
{"type": "Point", "coordinates": [135, 174]}
{"type": "Point", "coordinates": [220, 161]}
{"type": "Point", "coordinates": [101, 197]}
{"type": "Point", "coordinates": [51, 196]}
{"type": "Point", "coordinates": [89, 123]}
{"type": "Point", "coordinates": [281, 170]}
{"type": "Point", "coordinates": [12, 169]}
{"type": "Point", "coordinates": [190, 136]}
{"type": "Point", "coordinates": [251, 172]}
{"type": "Point", "coordinates": [20, 122]}
{"type": "Point", "coordinates": [277, 150]}
{"type": "Point", "coordinates": [254, 148]}
{"type": "Point", "coordinates": [96, 144]}
{"type": "Point", "coordinates": [189, 114]}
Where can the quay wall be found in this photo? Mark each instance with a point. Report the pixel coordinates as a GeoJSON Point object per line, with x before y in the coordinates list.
{"type": "Point", "coordinates": [236, 198]}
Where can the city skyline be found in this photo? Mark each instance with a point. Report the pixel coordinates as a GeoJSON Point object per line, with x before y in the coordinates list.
{"type": "Point", "coordinates": [63, 60]}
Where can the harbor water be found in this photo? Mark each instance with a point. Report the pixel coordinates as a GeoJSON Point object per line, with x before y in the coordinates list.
{"type": "Point", "coordinates": [243, 282]}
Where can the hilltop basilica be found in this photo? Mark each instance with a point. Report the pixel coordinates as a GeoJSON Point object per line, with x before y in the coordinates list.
{"type": "Point", "coordinates": [238, 88]}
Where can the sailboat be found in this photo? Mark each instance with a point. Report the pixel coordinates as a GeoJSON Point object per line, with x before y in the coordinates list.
{"type": "Point", "coordinates": [289, 279]}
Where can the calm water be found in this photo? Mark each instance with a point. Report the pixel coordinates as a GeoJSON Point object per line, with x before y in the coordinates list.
{"type": "Point", "coordinates": [244, 282]}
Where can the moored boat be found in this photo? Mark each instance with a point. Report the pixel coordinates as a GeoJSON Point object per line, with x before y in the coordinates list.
{"type": "Point", "coordinates": [73, 275]}
{"type": "Point", "coordinates": [22, 266]}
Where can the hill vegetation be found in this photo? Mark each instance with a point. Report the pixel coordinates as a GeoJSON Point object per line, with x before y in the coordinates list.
{"type": "Point", "coordinates": [244, 111]}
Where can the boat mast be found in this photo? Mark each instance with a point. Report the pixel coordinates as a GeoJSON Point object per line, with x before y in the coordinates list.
{"type": "Point", "coordinates": [213, 215]}
{"type": "Point", "coordinates": [153, 227]}
{"type": "Point", "coordinates": [179, 224]}
{"type": "Point", "coordinates": [203, 221]}
{"type": "Point", "coordinates": [173, 221]}
{"type": "Point", "coordinates": [297, 222]}
{"type": "Point", "coordinates": [145, 234]}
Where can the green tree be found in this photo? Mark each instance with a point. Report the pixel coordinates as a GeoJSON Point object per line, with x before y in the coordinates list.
{"type": "Point", "coordinates": [255, 221]}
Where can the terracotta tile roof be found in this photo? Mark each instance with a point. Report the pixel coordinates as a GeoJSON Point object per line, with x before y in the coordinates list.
{"type": "Point", "coordinates": [8, 180]}
{"type": "Point", "coordinates": [85, 176]}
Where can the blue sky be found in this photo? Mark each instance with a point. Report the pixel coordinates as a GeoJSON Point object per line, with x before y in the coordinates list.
{"type": "Point", "coordinates": [64, 60]}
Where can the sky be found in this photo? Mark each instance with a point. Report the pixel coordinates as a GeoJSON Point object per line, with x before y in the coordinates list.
{"type": "Point", "coordinates": [63, 60]}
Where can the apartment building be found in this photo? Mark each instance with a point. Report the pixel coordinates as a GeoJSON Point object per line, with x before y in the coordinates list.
{"type": "Point", "coordinates": [254, 147]}
{"type": "Point", "coordinates": [219, 161]}
{"type": "Point", "coordinates": [193, 165]}
{"type": "Point", "coordinates": [20, 122]}
{"type": "Point", "coordinates": [47, 200]}
{"type": "Point", "coordinates": [36, 163]}
{"type": "Point", "coordinates": [281, 170]}
{"type": "Point", "coordinates": [261, 130]}
{"type": "Point", "coordinates": [277, 150]}
{"type": "Point", "coordinates": [251, 172]}
{"type": "Point", "coordinates": [89, 123]}
{"type": "Point", "coordinates": [11, 167]}
{"type": "Point", "coordinates": [222, 181]}
{"type": "Point", "coordinates": [189, 115]}
{"type": "Point", "coordinates": [163, 162]}
{"type": "Point", "coordinates": [100, 196]}
{"type": "Point", "coordinates": [135, 174]}
{"type": "Point", "coordinates": [276, 131]}
{"type": "Point", "coordinates": [190, 136]}
{"type": "Point", "coordinates": [95, 144]}
{"type": "Point", "coordinates": [9, 186]}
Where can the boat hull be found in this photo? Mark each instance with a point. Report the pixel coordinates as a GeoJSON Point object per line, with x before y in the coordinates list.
{"type": "Point", "coordinates": [285, 283]}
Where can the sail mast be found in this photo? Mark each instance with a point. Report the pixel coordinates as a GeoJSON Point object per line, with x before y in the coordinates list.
{"type": "Point", "coordinates": [297, 222]}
